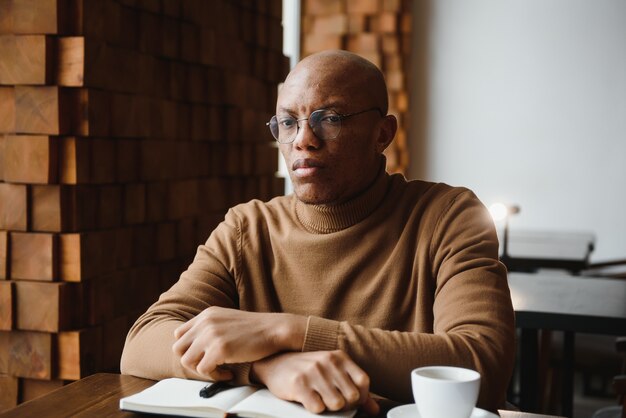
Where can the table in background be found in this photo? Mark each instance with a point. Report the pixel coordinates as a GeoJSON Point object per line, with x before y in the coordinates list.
{"type": "Point", "coordinates": [566, 303]}
{"type": "Point", "coordinates": [532, 250]}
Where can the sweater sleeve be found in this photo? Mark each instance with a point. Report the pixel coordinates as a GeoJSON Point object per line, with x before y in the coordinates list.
{"type": "Point", "coordinates": [208, 281]}
{"type": "Point", "coordinates": [473, 323]}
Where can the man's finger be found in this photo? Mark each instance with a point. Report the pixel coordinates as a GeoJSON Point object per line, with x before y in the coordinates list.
{"type": "Point", "coordinates": [312, 401]}
{"type": "Point", "coordinates": [207, 365]}
{"type": "Point", "coordinates": [370, 406]}
{"type": "Point", "coordinates": [181, 346]}
{"type": "Point", "coordinates": [332, 398]}
{"type": "Point", "coordinates": [183, 328]}
{"type": "Point", "coordinates": [350, 392]}
{"type": "Point", "coordinates": [360, 378]}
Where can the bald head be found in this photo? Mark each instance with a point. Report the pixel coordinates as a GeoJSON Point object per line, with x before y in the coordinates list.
{"type": "Point", "coordinates": [338, 71]}
{"type": "Point", "coordinates": [333, 170]}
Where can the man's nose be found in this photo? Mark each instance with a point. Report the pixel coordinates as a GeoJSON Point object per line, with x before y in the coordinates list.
{"type": "Point", "coordinates": [305, 138]}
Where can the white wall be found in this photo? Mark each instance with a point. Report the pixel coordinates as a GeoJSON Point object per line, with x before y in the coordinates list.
{"type": "Point", "coordinates": [291, 49]}
{"type": "Point", "coordinates": [526, 104]}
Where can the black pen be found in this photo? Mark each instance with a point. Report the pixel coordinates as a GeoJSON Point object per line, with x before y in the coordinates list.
{"type": "Point", "coordinates": [213, 389]}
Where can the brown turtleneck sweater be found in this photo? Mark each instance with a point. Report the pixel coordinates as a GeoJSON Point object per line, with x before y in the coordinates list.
{"type": "Point", "coordinates": [403, 276]}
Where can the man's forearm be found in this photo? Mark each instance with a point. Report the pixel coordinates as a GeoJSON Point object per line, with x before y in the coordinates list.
{"type": "Point", "coordinates": [148, 351]}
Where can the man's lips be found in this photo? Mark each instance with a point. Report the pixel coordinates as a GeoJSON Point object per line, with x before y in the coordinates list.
{"type": "Point", "coordinates": [306, 166]}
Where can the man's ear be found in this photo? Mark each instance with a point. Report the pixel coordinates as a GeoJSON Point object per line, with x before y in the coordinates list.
{"type": "Point", "coordinates": [388, 128]}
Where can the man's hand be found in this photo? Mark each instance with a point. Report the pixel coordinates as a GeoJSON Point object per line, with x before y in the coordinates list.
{"type": "Point", "coordinates": [319, 380]}
{"type": "Point", "coordinates": [220, 336]}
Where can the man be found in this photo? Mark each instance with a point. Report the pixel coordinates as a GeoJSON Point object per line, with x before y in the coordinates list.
{"type": "Point", "coordinates": [347, 285]}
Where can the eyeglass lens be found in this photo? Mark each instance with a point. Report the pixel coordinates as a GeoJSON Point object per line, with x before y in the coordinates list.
{"type": "Point", "coordinates": [325, 124]}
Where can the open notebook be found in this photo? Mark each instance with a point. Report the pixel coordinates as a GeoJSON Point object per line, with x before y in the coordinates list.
{"type": "Point", "coordinates": [182, 397]}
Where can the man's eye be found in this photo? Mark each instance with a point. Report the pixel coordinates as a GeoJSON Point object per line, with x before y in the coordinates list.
{"type": "Point", "coordinates": [287, 122]}
{"type": "Point", "coordinates": [330, 118]}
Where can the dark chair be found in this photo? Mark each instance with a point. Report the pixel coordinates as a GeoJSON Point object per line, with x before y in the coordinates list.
{"type": "Point", "coordinates": [619, 385]}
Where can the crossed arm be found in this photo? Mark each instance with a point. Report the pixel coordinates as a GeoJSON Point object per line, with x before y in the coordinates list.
{"type": "Point", "coordinates": [320, 380]}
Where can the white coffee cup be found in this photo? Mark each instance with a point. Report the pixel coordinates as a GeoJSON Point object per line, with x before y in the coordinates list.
{"type": "Point", "coordinates": [445, 392]}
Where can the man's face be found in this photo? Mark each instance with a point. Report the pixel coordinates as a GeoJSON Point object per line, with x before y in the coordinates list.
{"type": "Point", "coordinates": [335, 170]}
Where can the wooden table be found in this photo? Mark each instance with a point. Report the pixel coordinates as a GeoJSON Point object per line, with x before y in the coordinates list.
{"type": "Point", "coordinates": [94, 396]}
{"type": "Point", "coordinates": [99, 396]}
{"type": "Point", "coordinates": [563, 303]}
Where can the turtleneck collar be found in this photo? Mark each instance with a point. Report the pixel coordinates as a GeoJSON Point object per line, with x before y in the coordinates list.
{"type": "Point", "coordinates": [324, 219]}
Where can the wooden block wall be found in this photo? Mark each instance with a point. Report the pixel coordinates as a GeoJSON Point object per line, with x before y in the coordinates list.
{"type": "Point", "coordinates": [127, 129]}
{"type": "Point", "coordinates": [379, 30]}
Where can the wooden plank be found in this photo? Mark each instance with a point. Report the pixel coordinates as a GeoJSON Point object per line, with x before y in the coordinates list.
{"type": "Point", "coordinates": [37, 110]}
{"type": "Point", "coordinates": [114, 336]}
{"type": "Point", "coordinates": [4, 254]}
{"type": "Point", "coordinates": [183, 199]}
{"type": "Point", "coordinates": [315, 42]}
{"type": "Point", "coordinates": [33, 256]}
{"type": "Point", "coordinates": [102, 160]}
{"type": "Point", "coordinates": [70, 67]}
{"type": "Point", "coordinates": [50, 307]}
{"type": "Point", "coordinates": [128, 160]}
{"type": "Point", "coordinates": [330, 25]}
{"type": "Point", "coordinates": [89, 111]}
{"type": "Point", "coordinates": [385, 23]}
{"type": "Point", "coordinates": [166, 241]}
{"type": "Point", "coordinates": [51, 208]}
{"type": "Point", "coordinates": [370, 7]}
{"type": "Point", "coordinates": [143, 286]}
{"type": "Point", "coordinates": [7, 109]}
{"type": "Point", "coordinates": [13, 207]}
{"type": "Point", "coordinates": [27, 59]}
{"type": "Point", "coordinates": [171, 8]}
{"type": "Point", "coordinates": [41, 16]}
{"type": "Point", "coordinates": [150, 33]}
{"type": "Point", "coordinates": [123, 248]}
{"type": "Point", "coordinates": [84, 208]}
{"type": "Point", "coordinates": [170, 40]}
{"type": "Point", "coordinates": [156, 201]}
{"type": "Point", "coordinates": [29, 354]}
{"type": "Point", "coordinates": [81, 257]}
{"type": "Point", "coordinates": [72, 253]}
{"type": "Point", "coordinates": [323, 7]}
{"type": "Point", "coordinates": [30, 159]}
{"type": "Point", "coordinates": [108, 298]}
{"type": "Point", "coordinates": [144, 244]}
{"type": "Point", "coordinates": [7, 306]}
{"type": "Point", "coordinates": [363, 42]}
{"type": "Point", "coordinates": [79, 353]}
{"type": "Point", "coordinates": [2, 141]}
{"type": "Point", "coordinates": [88, 62]}
{"type": "Point", "coordinates": [109, 206]}
{"type": "Point", "coordinates": [8, 390]}
{"type": "Point", "coordinates": [35, 388]}
{"type": "Point", "coordinates": [74, 160]}
{"type": "Point", "coordinates": [5, 351]}
{"type": "Point", "coordinates": [134, 203]}
{"type": "Point", "coordinates": [55, 110]}
{"type": "Point", "coordinates": [186, 234]}
{"type": "Point", "coordinates": [6, 16]}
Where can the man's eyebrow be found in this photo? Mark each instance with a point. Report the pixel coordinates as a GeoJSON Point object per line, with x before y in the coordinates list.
{"type": "Point", "coordinates": [332, 105]}
{"type": "Point", "coordinates": [284, 110]}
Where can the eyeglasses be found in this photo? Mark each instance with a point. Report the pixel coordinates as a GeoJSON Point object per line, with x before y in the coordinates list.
{"type": "Point", "coordinates": [325, 124]}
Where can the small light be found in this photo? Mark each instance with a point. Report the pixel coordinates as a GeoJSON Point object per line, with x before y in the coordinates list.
{"type": "Point", "coordinates": [498, 211]}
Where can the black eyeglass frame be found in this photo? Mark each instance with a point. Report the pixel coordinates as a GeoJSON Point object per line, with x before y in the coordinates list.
{"type": "Point", "coordinates": [339, 115]}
